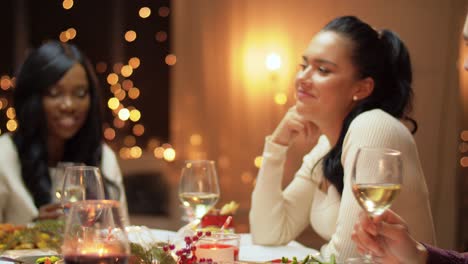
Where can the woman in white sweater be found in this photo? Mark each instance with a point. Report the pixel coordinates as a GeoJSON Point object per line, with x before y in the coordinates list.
{"type": "Point", "coordinates": [58, 109]}
{"type": "Point", "coordinates": [354, 90]}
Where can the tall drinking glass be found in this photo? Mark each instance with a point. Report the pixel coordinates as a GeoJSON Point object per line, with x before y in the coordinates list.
{"type": "Point", "coordinates": [376, 180]}
{"type": "Point", "coordinates": [198, 187]}
{"type": "Point", "coordinates": [57, 177]}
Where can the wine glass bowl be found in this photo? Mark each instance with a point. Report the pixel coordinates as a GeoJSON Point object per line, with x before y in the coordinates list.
{"type": "Point", "coordinates": [95, 233]}
{"type": "Point", "coordinates": [81, 183]}
{"type": "Point", "coordinates": [57, 178]}
{"type": "Point", "coordinates": [376, 178]}
{"type": "Point", "coordinates": [198, 187]}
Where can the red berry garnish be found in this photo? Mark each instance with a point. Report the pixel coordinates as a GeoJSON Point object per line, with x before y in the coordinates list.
{"type": "Point", "coordinates": [208, 233]}
{"type": "Point", "coordinates": [193, 248]}
{"type": "Point", "coordinates": [199, 233]}
{"type": "Point", "coordinates": [165, 248]}
{"type": "Point", "coordinates": [172, 247]}
{"type": "Point", "coordinates": [188, 240]}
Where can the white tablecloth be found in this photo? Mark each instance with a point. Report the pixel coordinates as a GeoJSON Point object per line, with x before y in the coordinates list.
{"type": "Point", "coordinates": [250, 252]}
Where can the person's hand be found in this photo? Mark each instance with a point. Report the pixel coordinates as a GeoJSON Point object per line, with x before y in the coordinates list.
{"type": "Point", "coordinates": [50, 211]}
{"type": "Point", "coordinates": [388, 239]}
{"type": "Point", "coordinates": [292, 125]}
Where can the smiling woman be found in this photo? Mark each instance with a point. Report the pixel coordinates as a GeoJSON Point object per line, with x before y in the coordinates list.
{"type": "Point", "coordinates": [58, 109]}
{"type": "Point", "coordinates": [354, 90]}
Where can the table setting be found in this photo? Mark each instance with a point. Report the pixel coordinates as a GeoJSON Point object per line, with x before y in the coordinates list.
{"type": "Point", "coordinates": [94, 230]}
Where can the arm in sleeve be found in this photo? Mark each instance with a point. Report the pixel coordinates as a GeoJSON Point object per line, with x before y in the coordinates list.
{"type": "Point", "coordinates": [443, 256]}
{"type": "Point", "coordinates": [368, 129]}
{"type": "Point", "coordinates": [276, 216]}
{"type": "Point", "coordinates": [112, 170]}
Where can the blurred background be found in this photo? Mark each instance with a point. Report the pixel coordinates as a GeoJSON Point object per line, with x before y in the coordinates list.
{"type": "Point", "coordinates": [209, 79]}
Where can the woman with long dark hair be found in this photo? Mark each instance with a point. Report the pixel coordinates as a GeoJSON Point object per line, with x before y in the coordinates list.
{"type": "Point", "coordinates": [354, 90]}
{"type": "Point", "coordinates": [58, 109]}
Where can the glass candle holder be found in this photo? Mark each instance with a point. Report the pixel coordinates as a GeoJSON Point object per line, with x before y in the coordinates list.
{"type": "Point", "coordinates": [219, 247]}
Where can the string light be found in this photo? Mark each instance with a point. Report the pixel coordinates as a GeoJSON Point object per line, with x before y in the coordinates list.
{"type": "Point", "coordinates": [126, 71]}
{"type": "Point", "coordinates": [169, 154]}
{"type": "Point", "coordinates": [124, 114]}
{"type": "Point", "coordinates": [67, 4]}
{"type": "Point", "coordinates": [130, 36]}
{"type": "Point", "coordinates": [134, 62]}
{"type": "Point", "coordinates": [171, 59]}
{"type": "Point", "coordinates": [109, 133]}
{"type": "Point", "coordinates": [112, 78]}
{"type": "Point", "coordinates": [163, 11]}
{"type": "Point", "coordinates": [158, 152]}
{"type": "Point", "coordinates": [135, 115]}
{"type": "Point", "coordinates": [134, 93]}
{"type": "Point", "coordinates": [144, 12]}
{"type": "Point", "coordinates": [258, 161]}
{"type": "Point", "coordinates": [161, 36]}
{"type": "Point", "coordinates": [138, 130]}
{"type": "Point", "coordinates": [12, 125]}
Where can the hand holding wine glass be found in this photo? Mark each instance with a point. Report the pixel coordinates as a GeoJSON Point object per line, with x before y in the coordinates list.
{"type": "Point", "coordinates": [198, 187]}
{"type": "Point", "coordinates": [376, 180]}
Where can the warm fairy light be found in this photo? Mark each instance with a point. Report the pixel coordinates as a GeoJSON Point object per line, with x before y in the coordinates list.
{"type": "Point", "coordinates": [112, 78]}
{"type": "Point", "coordinates": [144, 12]}
{"type": "Point", "coordinates": [113, 103]}
{"type": "Point", "coordinates": [171, 59]}
{"type": "Point", "coordinates": [273, 62]}
{"type": "Point", "coordinates": [161, 36]}
{"type": "Point", "coordinates": [464, 135]}
{"type": "Point", "coordinates": [115, 88]}
{"type": "Point", "coordinates": [281, 98]}
{"type": "Point", "coordinates": [124, 153]}
{"type": "Point", "coordinates": [120, 94]}
{"type": "Point", "coordinates": [133, 93]}
{"type": "Point", "coordinates": [152, 144]}
{"type": "Point", "coordinates": [4, 102]}
{"type": "Point", "coordinates": [463, 147]}
{"type": "Point", "coordinates": [166, 145]}
{"type": "Point", "coordinates": [118, 123]}
{"type": "Point", "coordinates": [117, 67]}
{"type": "Point", "coordinates": [109, 133]}
{"type": "Point", "coordinates": [169, 154]}
{"type": "Point", "coordinates": [5, 82]}
{"type": "Point", "coordinates": [135, 152]}
{"type": "Point", "coordinates": [130, 36]}
{"type": "Point", "coordinates": [129, 141]}
{"type": "Point", "coordinates": [127, 84]}
{"type": "Point", "coordinates": [138, 130]}
{"type": "Point", "coordinates": [124, 114]}
{"type": "Point", "coordinates": [158, 152]}
{"type": "Point", "coordinates": [126, 70]}
{"type": "Point", "coordinates": [196, 140]}
{"type": "Point", "coordinates": [246, 177]}
{"type": "Point", "coordinates": [67, 4]}
{"type": "Point", "coordinates": [135, 115]}
{"type": "Point", "coordinates": [134, 62]}
{"type": "Point", "coordinates": [101, 67]}
{"type": "Point", "coordinates": [258, 161]}
{"type": "Point", "coordinates": [163, 11]}
{"type": "Point", "coordinates": [464, 162]}
{"type": "Point", "coordinates": [71, 33]}
{"type": "Point", "coordinates": [1, 104]}
{"type": "Point", "coordinates": [11, 113]}
{"type": "Point", "coordinates": [63, 36]}
{"type": "Point", "coordinates": [11, 125]}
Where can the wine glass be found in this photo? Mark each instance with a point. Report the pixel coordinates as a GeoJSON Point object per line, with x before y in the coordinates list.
{"type": "Point", "coordinates": [57, 177]}
{"type": "Point", "coordinates": [95, 233]}
{"type": "Point", "coordinates": [198, 188]}
{"type": "Point", "coordinates": [376, 180]}
{"type": "Point", "coordinates": [81, 183]}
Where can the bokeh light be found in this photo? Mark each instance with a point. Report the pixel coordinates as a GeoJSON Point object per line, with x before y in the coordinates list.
{"type": "Point", "coordinates": [144, 12]}
{"type": "Point", "coordinates": [464, 135]}
{"type": "Point", "coordinates": [281, 98]}
{"type": "Point", "coordinates": [129, 141]}
{"type": "Point", "coordinates": [130, 36]}
{"type": "Point", "coordinates": [258, 161]}
{"type": "Point", "coordinates": [161, 36]}
{"type": "Point", "coordinates": [169, 154]}
{"type": "Point", "coordinates": [101, 67]}
{"type": "Point", "coordinates": [120, 94]}
{"type": "Point", "coordinates": [273, 62]}
{"type": "Point", "coordinates": [134, 62]}
{"type": "Point", "coordinates": [135, 152]}
{"type": "Point", "coordinates": [67, 4]}
{"type": "Point", "coordinates": [124, 114]}
{"type": "Point", "coordinates": [71, 33]}
{"type": "Point", "coordinates": [196, 140]}
{"type": "Point", "coordinates": [117, 67]}
{"type": "Point", "coordinates": [135, 115]}
{"type": "Point", "coordinates": [109, 133]}
{"type": "Point", "coordinates": [11, 113]}
{"type": "Point", "coordinates": [126, 70]}
{"type": "Point", "coordinates": [12, 125]}
{"type": "Point", "coordinates": [112, 78]}
{"type": "Point", "coordinates": [164, 11]}
{"type": "Point", "coordinates": [138, 130]}
{"type": "Point", "coordinates": [134, 93]}
{"type": "Point", "coordinates": [464, 162]}
{"type": "Point", "coordinates": [171, 59]}
{"type": "Point", "coordinates": [158, 152]}
{"type": "Point", "coordinates": [118, 123]}
{"type": "Point", "coordinates": [113, 103]}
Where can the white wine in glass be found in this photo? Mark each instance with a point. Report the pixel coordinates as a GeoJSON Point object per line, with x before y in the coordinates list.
{"type": "Point", "coordinates": [198, 187]}
{"type": "Point", "coordinates": [376, 180]}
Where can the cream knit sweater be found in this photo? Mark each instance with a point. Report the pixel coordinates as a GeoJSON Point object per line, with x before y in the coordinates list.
{"type": "Point", "coordinates": [16, 203]}
{"type": "Point", "coordinates": [279, 216]}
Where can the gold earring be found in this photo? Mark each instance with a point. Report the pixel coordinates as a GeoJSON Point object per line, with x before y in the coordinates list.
{"type": "Point", "coordinates": [355, 98]}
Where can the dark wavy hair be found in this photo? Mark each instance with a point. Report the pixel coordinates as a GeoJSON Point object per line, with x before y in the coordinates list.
{"type": "Point", "coordinates": [43, 68]}
{"type": "Point", "coordinates": [383, 57]}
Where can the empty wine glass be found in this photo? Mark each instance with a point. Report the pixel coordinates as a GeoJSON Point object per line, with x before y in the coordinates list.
{"type": "Point", "coordinates": [95, 233]}
{"type": "Point", "coordinates": [198, 187]}
{"type": "Point", "coordinates": [81, 183]}
{"type": "Point", "coordinates": [376, 180]}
